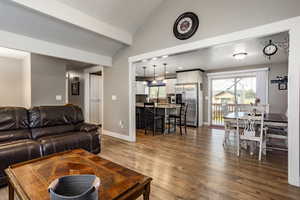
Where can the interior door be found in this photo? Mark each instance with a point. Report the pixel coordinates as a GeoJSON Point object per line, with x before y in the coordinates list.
{"type": "Point", "coordinates": [95, 99]}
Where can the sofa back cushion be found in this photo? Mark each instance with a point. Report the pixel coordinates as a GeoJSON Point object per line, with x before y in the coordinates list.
{"type": "Point", "coordinates": [14, 124]}
{"type": "Point", "coordinates": [53, 130]}
{"type": "Point", "coordinates": [52, 120]}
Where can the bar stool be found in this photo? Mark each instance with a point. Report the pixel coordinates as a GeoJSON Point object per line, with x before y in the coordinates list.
{"type": "Point", "coordinates": [152, 119]}
{"type": "Point", "coordinates": [181, 117]}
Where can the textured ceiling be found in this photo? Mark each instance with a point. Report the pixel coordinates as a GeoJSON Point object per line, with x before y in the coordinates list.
{"type": "Point", "coordinates": [218, 57]}
{"type": "Point", "coordinates": [125, 14]}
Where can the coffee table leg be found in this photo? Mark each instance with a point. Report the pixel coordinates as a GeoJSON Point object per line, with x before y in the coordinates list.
{"type": "Point", "coordinates": [147, 192]}
{"type": "Point", "coordinates": [11, 192]}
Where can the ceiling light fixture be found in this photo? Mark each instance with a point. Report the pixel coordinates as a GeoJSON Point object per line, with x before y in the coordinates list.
{"type": "Point", "coordinates": [240, 56]}
{"type": "Point", "coordinates": [165, 78]}
{"type": "Point", "coordinates": [145, 60]}
{"type": "Point", "coordinates": [154, 81]}
{"type": "Point", "coordinates": [153, 59]}
{"type": "Point", "coordinates": [165, 56]}
{"type": "Point", "coordinates": [145, 82]}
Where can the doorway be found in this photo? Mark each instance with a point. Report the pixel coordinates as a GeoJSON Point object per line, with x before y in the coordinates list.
{"type": "Point", "coordinates": [229, 95]}
{"type": "Point", "coordinates": [292, 26]}
{"type": "Point", "coordinates": [95, 110]}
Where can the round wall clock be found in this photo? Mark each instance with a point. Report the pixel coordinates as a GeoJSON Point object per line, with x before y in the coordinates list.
{"type": "Point", "coordinates": [271, 49]}
{"type": "Point", "coordinates": [186, 25]}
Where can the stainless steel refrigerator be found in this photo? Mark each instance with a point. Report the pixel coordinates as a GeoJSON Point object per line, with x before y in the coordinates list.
{"type": "Point", "coordinates": [188, 94]}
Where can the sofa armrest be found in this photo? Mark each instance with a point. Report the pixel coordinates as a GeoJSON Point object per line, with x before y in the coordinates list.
{"type": "Point", "coordinates": [85, 127]}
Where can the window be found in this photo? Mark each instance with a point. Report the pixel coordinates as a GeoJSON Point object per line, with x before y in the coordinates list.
{"type": "Point", "coordinates": [157, 92]}
{"type": "Point", "coordinates": [245, 90]}
{"type": "Point", "coordinates": [228, 93]}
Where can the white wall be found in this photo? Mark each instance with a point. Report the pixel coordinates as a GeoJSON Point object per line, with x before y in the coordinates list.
{"type": "Point", "coordinates": [11, 82]}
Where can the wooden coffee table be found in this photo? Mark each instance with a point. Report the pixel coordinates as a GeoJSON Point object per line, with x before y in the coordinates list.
{"type": "Point", "coordinates": [31, 179]}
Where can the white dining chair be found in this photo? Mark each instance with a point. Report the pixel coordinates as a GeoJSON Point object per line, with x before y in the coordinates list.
{"type": "Point", "coordinates": [230, 128]}
{"type": "Point", "coordinates": [251, 128]}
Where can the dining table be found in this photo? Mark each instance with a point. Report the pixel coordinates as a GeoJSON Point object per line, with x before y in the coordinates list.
{"type": "Point", "coordinates": [271, 121]}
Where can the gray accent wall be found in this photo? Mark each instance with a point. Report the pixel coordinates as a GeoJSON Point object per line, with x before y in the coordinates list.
{"type": "Point", "coordinates": [216, 18]}
{"type": "Point", "coordinates": [48, 79]}
{"type": "Point", "coordinates": [278, 99]}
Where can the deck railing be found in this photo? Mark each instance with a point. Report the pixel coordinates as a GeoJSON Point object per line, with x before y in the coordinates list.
{"type": "Point", "coordinates": [219, 110]}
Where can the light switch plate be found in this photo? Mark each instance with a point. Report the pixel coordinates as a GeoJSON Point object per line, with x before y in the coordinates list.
{"type": "Point", "coordinates": [114, 97]}
{"type": "Point", "coordinates": [58, 97]}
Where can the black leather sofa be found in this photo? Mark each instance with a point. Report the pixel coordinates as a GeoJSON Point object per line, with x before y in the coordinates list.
{"type": "Point", "coordinates": [40, 131]}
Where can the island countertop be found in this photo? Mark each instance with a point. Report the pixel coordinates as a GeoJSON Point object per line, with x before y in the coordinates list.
{"type": "Point", "coordinates": [163, 105]}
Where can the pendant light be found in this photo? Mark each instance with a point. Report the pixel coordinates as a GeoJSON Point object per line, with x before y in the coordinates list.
{"type": "Point", "coordinates": [165, 78]}
{"type": "Point", "coordinates": [145, 82]}
{"type": "Point", "coordinates": [154, 81]}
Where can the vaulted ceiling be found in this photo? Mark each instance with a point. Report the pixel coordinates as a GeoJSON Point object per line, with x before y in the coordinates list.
{"type": "Point", "coordinates": [128, 15]}
{"type": "Point", "coordinates": [97, 26]}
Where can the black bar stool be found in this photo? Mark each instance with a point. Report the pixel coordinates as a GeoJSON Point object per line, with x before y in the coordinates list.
{"type": "Point", "coordinates": [181, 117]}
{"type": "Point", "coordinates": [151, 119]}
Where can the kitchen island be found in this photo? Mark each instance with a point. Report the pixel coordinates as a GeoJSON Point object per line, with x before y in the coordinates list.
{"type": "Point", "coordinates": [161, 109]}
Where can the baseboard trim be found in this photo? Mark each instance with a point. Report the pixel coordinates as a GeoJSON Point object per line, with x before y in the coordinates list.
{"type": "Point", "coordinates": [117, 135]}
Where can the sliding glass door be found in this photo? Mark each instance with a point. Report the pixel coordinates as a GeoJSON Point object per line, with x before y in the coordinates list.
{"type": "Point", "coordinates": [230, 93]}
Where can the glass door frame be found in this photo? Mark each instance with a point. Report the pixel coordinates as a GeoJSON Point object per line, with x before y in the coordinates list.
{"type": "Point", "coordinates": [223, 75]}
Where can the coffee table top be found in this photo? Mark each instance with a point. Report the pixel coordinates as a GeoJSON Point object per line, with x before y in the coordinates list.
{"type": "Point", "coordinates": [31, 179]}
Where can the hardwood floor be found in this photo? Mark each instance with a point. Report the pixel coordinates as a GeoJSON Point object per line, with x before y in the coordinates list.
{"type": "Point", "coordinates": [196, 166]}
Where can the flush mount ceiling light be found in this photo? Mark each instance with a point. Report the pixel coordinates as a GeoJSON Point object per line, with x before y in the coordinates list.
{"type": "Point", "coordinates": [165, 56]}
{"type": "Point", "coordinates": [145, 60]}
{"type": "Point", "coordinates": [153, 59]}
{"type": "Point", "coordinates": [240, 56]}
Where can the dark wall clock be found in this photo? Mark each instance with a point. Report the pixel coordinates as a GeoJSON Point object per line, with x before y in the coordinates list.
{"type": "Point", "coordinates": [270, 49]}
{"type": "Point", "coordinates": [186, 25]}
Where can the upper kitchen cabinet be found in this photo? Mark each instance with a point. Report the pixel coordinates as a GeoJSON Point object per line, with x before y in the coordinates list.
{"type": "Point", "coordinates": [170, 86]}
{"type": "Point", "coordinates": [195, 76]}
{"type": "Point", "coordinates": [141, 88]}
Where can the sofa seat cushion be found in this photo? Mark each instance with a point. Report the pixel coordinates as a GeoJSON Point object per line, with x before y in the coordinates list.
{"type": "Point", "coordinates": [18, 151]}
{"type": "Point", "coordinates": [68, 141]}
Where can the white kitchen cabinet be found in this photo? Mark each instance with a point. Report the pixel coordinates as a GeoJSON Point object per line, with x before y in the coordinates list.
{"type": "Point", "coordinates": [141, 88]}
{"type": "Point", "coordinates": [170, 86]}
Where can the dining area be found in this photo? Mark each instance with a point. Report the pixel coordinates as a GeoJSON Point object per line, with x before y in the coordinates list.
{"type": "Point", "coordinates": [255, 130]}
